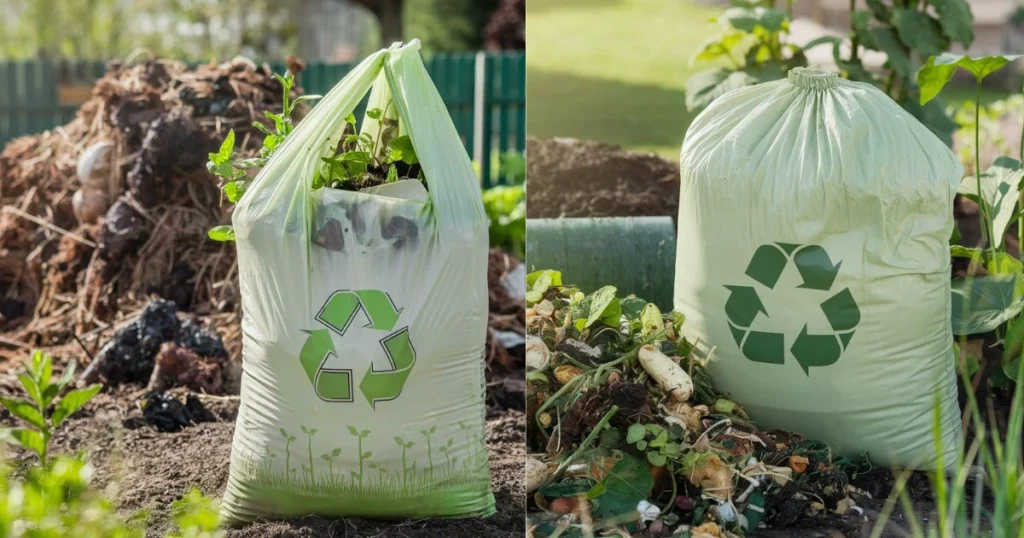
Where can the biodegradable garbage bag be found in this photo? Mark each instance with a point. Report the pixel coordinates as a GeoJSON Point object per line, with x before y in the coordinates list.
{"type": "Point", "coordinates": [363, 391]}
{"type": "Point", "coordinates": [813, 256]}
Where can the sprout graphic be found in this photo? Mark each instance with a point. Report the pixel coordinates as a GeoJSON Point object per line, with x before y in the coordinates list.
{"type": "Point", "coordinates": [445, 449]}
{"type": "Point", "coordinates": [360, 435]}
{"type": "Point", "coordinates": [288, 452]}
{"type": "Point", "coordinates": [430, 458]}
{"type": "Point", "coordinates": [405, 446]}
{"type": "Point", "coordinates": [329, 458]}
{"type": "Point", "coordinates": [309, 435]}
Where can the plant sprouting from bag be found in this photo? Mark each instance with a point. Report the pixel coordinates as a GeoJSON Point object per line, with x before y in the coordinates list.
{"type": "Point", "coordinates": [362, 160]}
{"type": "Point", "coordinates": [405, 446]}
{"type": "Point", "coordinates": [38, 411]}
{"type": "Point", "coordinates": [329, 458]}
{"type": "Point", "coordinates": [235, 174]}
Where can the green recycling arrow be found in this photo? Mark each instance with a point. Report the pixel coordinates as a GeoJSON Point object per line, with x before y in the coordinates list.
{"type": "Point", "coordinates": [743, 305]}
{"type": "Point", "coordinates": [818, 273]}
{"type": "Point", "coordinates": [387, 385]}
{"type": "Point", "coordinates": [338, 313]}
{"type": "Point", "coordinates": [815, 349]}
{"type": "Point", "coordinates": [816, 268]}
{"type": "Point", "coordinates": [333, 385]}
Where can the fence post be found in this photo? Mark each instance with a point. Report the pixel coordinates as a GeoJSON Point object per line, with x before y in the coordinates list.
{"type": "Point", "coordinates": [481, 119]}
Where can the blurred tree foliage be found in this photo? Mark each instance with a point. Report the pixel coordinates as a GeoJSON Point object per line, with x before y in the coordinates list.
{"type": "Point", "coordinates": [447, 25]}
{"type": "Point", "coordinates": [186, 29]}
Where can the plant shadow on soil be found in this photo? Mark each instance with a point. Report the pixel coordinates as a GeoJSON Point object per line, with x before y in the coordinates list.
{"type": "Point", "coordinates": [148, 470]}
{"type": "Point", "coordinates": [637, 116]}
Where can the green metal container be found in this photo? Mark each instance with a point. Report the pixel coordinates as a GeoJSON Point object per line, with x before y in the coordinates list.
{"type": "Point", "coordinates": [635, 254]}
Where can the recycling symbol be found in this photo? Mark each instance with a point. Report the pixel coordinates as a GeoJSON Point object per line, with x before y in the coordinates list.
{"type": "Point", "coordinates": [338, 314]}
{"type": "Point", "coordinates": [818, 274]}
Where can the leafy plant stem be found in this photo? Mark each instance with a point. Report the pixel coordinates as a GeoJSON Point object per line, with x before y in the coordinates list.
{"type": "Point", "coordinates": [986, 226]}
{"type": "Point", "coordinates": [1020, 198]}
{"type": "Point", "coordinates": [585, 443]}
{"type": "Point", "coordinates": [672, 499]}
{"type": "Point", "coordinates": [854, 38]}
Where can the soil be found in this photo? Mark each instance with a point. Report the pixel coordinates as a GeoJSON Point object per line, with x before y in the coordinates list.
{"type": "Point", "coordinates": [579, 178]}
{"type": "Point", "coordinates": [148, 469]}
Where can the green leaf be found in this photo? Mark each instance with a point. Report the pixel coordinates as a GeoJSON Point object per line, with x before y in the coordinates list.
{"type": "Point", "coordinates": [351, 120]}
{"type": "Point", "coordinates": [885, 40]}
{"type": "Point", "coordinates": [933, 115]}
{"type": "Point", "coordinates": [374, 113]}
{"type": "Point", "coordinates": [69, 374]}
{"type": "Point", "coordinates": [657, 459]}
{"type": "Point", "coordinates": [25, 411]}
{"type": "Point", "coordinates": [72, 402]}
{"type": "Point", "coordinates": [403, 145]}
{"type": "Point", "coordinates": [641, 444]}
{"type": "Point", "coordinates": [980, 67]}
{"type": "Point", "coordinates": [632, 306]}
{"type": "Point", "coordinates": [1000, 185]}
{"type": "Point", "coordinates": [749, 19]}
{"type": "Point", "coordinates": [981, 304]}
{"type": "Point", "coordinates": [879, 9]}
{"type": "Point", "coordinates": [921, 32]}
{"type": "Point", "coordinates": [956, 19]}
{"type": "Point", "coordinates": [635, 433]}
{"type": "Point", "coordinates": [995, 262]}
{"type": "Point", "coordinates": [29, 439]}
{"type": "Point", "coordinates": [353, 431]}
{"type": "Point", "coordinates": [227, 147]}
{"type": "Point", "coordinates": [567, 488]}
{"type": "Point", "coordinates": [233, 191]}
{"type": "Point", "coordinates": [604, 307]}
{"type": "Point", "coordinates": [672, 449]}
{"type": "Point", "coordinates": [705, 86]}
{"type": "Point", "coordinates": [626, 484]}
{"type": "Point", "coordinates": [336, 452]}
{"type": "Point", "coordinates": [539, 282]}
{"type": "Point", "coordinates": [31, 388]}
{"type": "Point", "coordinates": [222, 233]}
{"type": "Point", "coordinates": [651, 320]}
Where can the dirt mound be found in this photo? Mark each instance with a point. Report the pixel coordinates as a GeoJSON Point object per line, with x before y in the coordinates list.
{"type": "Point", "coordinates": [580, 178]}
{"type": "Point", "coordinates": [114, 206]}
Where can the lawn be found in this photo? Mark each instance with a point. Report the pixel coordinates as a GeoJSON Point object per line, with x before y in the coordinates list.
{"type": "Point", "coordinates": [613, 70]}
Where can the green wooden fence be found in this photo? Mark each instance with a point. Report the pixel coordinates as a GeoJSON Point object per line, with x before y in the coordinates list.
{"type": "Point", "coordinates": [38, 95]}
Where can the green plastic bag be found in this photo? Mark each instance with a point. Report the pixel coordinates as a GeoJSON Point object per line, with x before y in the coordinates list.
{"type": "Point", "coordinates": [813, 264]}
{"type": "Point", "coordinates": [364, 318]}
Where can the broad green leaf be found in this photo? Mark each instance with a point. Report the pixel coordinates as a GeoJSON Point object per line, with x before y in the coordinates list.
{"type": "Point", "coordinates": [641, 445]}
{"type": "Point", "coordinates": [933, 115]}
{"type": "Point", "coordinates": [657, 459]}
{"type": "Point", "coordinates": [632, 306]}
{"type": "Point", "coordinates": [879, 9]}
{"type": "Point", "coordinates": [25, 411]}
{"type": "Point", "coordinates": [748, 19]}
{"type": "Point", "coordinates": [403, 144]}
{"type": "Point", "coordinates": [705, 86]}
{"type": "Point", "coordinates": [617, 495]}
{"type": "Point", "coordinates": [1000, 185]}
{"type": "Point", "coordinates": [222, 233]}
{"type": "Point", "coordinates": [980, 304]}
{"type": "Point", "coordinates": [603, 306]}
{"type": "Point", "coordinates": [885, 40]}
{"type": "Point", "coordinates": [932, 78]}
{"type": "Point", "coordinates": [353, 431]}
{"type": "Point", "coordinates": [29, 439]}
{"type": "Point", "coordinates": [374, 113]}
{"type": "Point", "coordinates": [956, 19]}
{"type": "Point", "coordinates": [635, 433]}
{"type": "Point", "coordinates": [539, 282]}
{"type": "Point", "coordinates": [651, 320]}
{"type": "Point", "coordinates": [336, 452]}
{"type": "Point", "coordinates": [351, 120]}
{"type": "Point", "coordinates": [72, 402]}
{"type": "Point", "coordinates": [980, 67]}
{"type": "Point", "coordinates": [233, 191]}
{"type": "Point", "coordinates": [921, 32]}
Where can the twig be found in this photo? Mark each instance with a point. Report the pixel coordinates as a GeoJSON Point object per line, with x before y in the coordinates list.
{"type": "Point", "coordinates": [48, 225]}
{"type": "Point", "coordinates": [585, 443]}
{"type": "Point", "coordinates": [14, 343]}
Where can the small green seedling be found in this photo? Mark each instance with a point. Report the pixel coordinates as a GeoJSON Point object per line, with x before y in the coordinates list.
{"type": "Point", "coordinates": [658, 443]}
{"type": "Point", "coordinates": [37, 411]}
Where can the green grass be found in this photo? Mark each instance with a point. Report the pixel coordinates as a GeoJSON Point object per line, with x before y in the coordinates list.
{"type": "Point", "coordinates": [613, 70]}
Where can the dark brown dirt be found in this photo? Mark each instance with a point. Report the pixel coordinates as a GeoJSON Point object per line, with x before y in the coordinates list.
{"type": "Point", "coordinates": [148, 470]}
{"type": "Point", "coordinates": [579, 178]}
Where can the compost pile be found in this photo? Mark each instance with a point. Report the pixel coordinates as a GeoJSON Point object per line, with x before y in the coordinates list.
{"type": "Point", "coordinates": [628, 434]}
{"type": "Point", "coordinates": [135, 156]}
{"type": "Point", "coordinates": [580, 178]}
